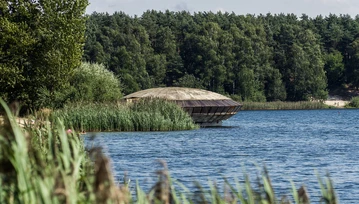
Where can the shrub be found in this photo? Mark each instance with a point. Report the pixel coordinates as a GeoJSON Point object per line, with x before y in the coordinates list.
{"type": "Point", "coordinates": [89, 83]}
{"type": "Point", "coordinates": [94, 83]}
{"type": "Point", "coordinates": [354, 102]}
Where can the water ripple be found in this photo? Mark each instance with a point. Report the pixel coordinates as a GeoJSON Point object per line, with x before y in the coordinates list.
{"type": "Point", "coordinates": [292, 144]}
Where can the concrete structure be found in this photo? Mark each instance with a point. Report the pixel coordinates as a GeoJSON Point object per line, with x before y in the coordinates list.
{"type": "Point", "coordinates": [205, 107]}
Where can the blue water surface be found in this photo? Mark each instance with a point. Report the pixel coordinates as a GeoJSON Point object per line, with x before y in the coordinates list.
{"type": "Point", "coordinates": [292, 144]}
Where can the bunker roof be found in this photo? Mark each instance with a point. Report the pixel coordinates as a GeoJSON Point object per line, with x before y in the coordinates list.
{"type": "Point", "coordinates": [177, 94]}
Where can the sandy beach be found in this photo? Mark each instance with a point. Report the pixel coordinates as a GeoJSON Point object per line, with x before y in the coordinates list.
{"type": "Point", "coordinates": [336, 103]}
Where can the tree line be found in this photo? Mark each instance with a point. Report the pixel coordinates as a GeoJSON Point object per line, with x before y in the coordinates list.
{"type": "Point", "coordinates": [44, 46]}
{"type": "Point", "coordinates": [253, 58]}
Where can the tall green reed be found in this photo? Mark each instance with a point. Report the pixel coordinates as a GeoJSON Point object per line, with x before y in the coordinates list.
{"type": "Point", "coordinates": [143, 115]}
{"type": "Point", "coordinates": [280, 105]}
{"type": "Point", "coordinates": [42, 163]}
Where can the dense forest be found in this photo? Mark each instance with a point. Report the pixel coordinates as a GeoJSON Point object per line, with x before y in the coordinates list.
{"type": "Point", "coordinates": [52, 54]}
{"type": "Point", "coordinates": [251, 57]}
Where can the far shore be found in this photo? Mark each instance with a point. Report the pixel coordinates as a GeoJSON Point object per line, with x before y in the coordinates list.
{"type": "Point", "coordinates": [332, 103]}
{"type": "Point", "coordinates": [336, 103]}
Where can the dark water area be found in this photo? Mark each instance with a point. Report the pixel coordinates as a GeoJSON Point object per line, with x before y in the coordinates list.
{"type": "Point", "coordinates": [292, 144]}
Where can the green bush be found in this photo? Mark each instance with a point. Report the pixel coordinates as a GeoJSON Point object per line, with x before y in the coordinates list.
{"type": "Point", "coordinates": [94, 83]}
{"type": "Point", "coordinates": [89, 83]}
{"type": "Point", "coordinates": [354, 103]}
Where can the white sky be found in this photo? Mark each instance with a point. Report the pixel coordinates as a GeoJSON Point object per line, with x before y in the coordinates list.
{"type": "Point", "coordinates": [309, 7]}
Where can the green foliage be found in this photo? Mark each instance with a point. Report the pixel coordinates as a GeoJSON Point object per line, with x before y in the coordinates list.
{"type": "Point", "coordinates": [56, 99]}
{"type": "Point", "coordinates": [249, 86]}
{"type": "Point", "coordinates": [94, 83]}
{"type": "Point", "coordinates": [142, 115]}
{"type": "Point", "coordinates": [89, 83]}
{"type": "Point", "coordinates": [260, 58]}
{"type": "Point", "coordinates": [334, 68]}
{"type": "Point", "coordinates": [189, 81]}
{"type": "Point", "coordinates": [352, 72]}
{"type": "Point", "coordinates": [41, 43]}
{"type": "Point", "coordinates": [354, 103]}
{"type": "Point", "coordinates": [43, 165]}
{"type": "Point", "coordinates": [275, 90]}
{"type": "Point", "coordinates": [309, 76]}
{"type": "Point", "coordinates": [327, 190]}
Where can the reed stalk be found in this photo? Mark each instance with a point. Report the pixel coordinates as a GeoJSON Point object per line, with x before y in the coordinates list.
{"type": "Point", "coordinates": [144, 115]}
{"type": "Point", "coordinates": [280, 105]}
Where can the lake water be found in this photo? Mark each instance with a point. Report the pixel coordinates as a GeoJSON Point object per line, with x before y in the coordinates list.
{"type": "Point", "coordinates": [292, 144]}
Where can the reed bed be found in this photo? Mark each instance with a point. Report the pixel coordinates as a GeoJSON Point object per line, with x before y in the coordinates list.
{"type": "Point", "coordinates": [143, 115]}
{"type": "Point", "coordinates": [280, 105]}
{"type": "Point", "coordinates": [41, 163]}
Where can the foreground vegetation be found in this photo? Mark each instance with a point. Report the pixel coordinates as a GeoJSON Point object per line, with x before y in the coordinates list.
{"type": "Point", "coordinates": [143, 115]}
{"type": "Point", "coordinates": [44, 164]}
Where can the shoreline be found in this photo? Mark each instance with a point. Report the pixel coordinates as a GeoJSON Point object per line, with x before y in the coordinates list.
{"type": "Point", "coordinates": [336, 103]}
{"type": "Point", "coordinates": [22, 121]}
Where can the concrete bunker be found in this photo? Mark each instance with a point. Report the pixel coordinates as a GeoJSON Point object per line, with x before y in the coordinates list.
{"type": "Point", "coordinates": [205, 107]}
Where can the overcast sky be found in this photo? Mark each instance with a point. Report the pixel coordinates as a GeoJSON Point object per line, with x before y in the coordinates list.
{"type": "Point", "coordinates": [298, 7]}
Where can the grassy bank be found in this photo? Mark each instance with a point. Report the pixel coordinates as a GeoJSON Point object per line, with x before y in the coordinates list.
{"type": "Point", "coordinates": [143, 115]}
{"type": "Point", "coordinates": [280, 105]}
{"type": "Point", "coordinates": [46, 165]}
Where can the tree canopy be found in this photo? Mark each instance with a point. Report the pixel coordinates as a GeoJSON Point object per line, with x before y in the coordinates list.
{"type": "Point", "coordinates": [255, 58]}
{"type": "Point", "coordinates": [258, 58]}
{"type": "Point", "coordinates": [41, 43]}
